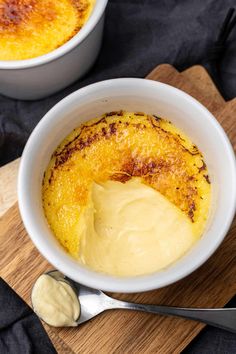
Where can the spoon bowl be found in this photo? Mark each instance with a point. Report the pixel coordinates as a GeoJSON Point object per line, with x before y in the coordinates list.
{"type": "Point", "coordinates": [92, 301]}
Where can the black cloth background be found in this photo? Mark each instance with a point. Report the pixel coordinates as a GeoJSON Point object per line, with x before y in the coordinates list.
{"type": "Point", "coordinates": [140, 34]}
{"type": "Point", "coordinates": [21, 331]}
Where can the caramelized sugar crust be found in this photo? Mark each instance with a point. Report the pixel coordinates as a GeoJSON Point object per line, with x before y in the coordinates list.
{"type": "Point", "coordinates": [30, 28]}
{"type": "Point", "coordinates": [121, 145]}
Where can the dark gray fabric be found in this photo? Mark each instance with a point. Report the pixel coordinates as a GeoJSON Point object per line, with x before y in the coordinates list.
{"type": "Point", "coordinates": [140, 34]}
{"type": "Point", "coordinates": [21, 331]}
{"type": "Point", "coordinates": [212, 341]}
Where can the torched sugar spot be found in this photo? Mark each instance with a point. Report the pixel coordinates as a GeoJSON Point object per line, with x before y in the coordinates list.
{"type": "Point", "coordinates": [30, 28]}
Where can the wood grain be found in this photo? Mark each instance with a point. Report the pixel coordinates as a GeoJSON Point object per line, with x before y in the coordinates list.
{"type": "Point", "coordinates": [8, 181]}
{"type": "Point", "coordinates": [202, 81]}
{"type": "Point", "coordinates": [129, 332]}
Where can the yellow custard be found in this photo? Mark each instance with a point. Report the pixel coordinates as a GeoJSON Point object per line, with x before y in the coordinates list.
{"type": "Point", "coordinates": [30, 28]}
{"type": "Point", "coordinates": [55, 302]}
{"type": "Point", "coordinates": [127, 193]}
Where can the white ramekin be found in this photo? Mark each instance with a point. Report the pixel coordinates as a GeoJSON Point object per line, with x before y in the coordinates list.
{"type": "Point", "coordinates": [133, 95]}
{"type": "Point", "coordinates": [44, 75]}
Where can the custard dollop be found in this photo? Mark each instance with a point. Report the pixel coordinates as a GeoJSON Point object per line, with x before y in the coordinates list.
{"type": "Point", "coordinates": [30, 28]}
{"type": "Point", "coordinates": [55, 302]}
{"type": "Point", "coordinates": [127, 193]}
{"type": "Point", "coordinates": [131, 229]}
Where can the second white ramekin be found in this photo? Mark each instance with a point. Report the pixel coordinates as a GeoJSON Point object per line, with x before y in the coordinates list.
{"type": "Point", "coordinates": [44, 75]}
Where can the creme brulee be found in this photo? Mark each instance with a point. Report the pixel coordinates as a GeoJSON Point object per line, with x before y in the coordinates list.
{"type": "Point", "coordinates": [127, 193]}
{"type": "Point", "coordinates": [30, 28]}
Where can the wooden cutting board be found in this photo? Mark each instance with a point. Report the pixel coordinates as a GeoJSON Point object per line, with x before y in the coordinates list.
{"type": "Point", "coordinates": [213, 285]}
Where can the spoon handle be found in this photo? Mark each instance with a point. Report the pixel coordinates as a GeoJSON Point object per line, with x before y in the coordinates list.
{"type": "Point", "coordinates": [224, 318]}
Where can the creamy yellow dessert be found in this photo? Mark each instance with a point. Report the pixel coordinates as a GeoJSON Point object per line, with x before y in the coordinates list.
{"type": "Point", "coordinates": [30, 28]}
{"type": "Point", "coordinates": [127, 193]}
{"type": "Point", "coordinates": [55, 302]}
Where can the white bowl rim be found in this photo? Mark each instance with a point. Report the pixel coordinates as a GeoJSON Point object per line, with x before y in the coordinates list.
{"type": "Point", "coordinates": [107, 282]}
{"type": "Point", "coordinates": [97, 12]}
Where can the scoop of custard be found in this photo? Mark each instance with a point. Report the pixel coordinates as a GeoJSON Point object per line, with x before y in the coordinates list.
{"type": "Point", "coordinates": [132, 229]}
{"type": "Point", "coordinates": [30, 28]}
{"type": "Point", "coordinates": [127, 193]}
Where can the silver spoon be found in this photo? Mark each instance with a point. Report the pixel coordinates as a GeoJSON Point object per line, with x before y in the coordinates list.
{"type": "Point", "coordinates": [94, 302]}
